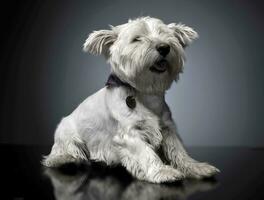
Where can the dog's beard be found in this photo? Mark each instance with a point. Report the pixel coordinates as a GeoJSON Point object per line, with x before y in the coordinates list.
{"type": "Point", "coordinates": [156, 78]}
{"type": "Point", "coordinates": [158, 72]}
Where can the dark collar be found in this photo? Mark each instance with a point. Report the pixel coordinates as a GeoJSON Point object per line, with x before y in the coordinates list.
{"type": "Point", "coordinates": [114, 81]}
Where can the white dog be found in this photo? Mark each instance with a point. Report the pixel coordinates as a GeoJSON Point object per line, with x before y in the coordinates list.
{"type": "Point", "coordinates": [128, 121]}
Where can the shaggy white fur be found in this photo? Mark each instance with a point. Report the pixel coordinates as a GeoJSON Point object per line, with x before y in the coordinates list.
{"type": "Point", "coordinates": [148, 55]}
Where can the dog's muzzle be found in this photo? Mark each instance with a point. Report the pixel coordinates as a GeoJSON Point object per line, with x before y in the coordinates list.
{"type": "Point", "coordinates": [160, 66]}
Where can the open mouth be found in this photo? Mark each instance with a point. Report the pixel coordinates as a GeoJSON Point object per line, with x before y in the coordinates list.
{"type": "Point", "coordinates": [160, 66]}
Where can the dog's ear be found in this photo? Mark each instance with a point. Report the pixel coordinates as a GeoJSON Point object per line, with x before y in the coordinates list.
{"type": "Point", "coordinates": [185, 34]}
{"type": "Point", "coordinates": [99, 42]}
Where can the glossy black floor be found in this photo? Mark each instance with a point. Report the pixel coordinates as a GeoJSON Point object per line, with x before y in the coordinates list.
{"type": "Point", "coordinates": [22, 177]}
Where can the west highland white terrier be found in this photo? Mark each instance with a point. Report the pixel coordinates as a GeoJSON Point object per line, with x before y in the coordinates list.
{"type": "Point", "coordinates": [128, 121]}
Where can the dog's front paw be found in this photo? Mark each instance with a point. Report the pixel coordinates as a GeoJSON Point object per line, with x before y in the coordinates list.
{"type": "Point", "coordinates": [167, 174]}
{"type": "Point", "coordinates": [200, 170]}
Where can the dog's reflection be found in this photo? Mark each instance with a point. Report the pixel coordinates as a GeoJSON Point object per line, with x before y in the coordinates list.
{"type": "Point", "coordinates": [98, 182]}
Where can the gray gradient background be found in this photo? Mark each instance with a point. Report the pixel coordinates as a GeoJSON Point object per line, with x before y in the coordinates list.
{"type": "Point", "coordinates": [218, 100]}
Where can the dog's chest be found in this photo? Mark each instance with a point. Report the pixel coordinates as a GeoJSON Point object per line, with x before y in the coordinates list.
{"type": "Point", "coordinates": [155, 103]}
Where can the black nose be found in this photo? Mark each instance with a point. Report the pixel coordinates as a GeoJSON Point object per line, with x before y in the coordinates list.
{"type": "Point", "coordinates": [163, 49]}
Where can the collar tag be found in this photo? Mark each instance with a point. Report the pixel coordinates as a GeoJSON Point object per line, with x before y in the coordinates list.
{"type": "Point", "coordinates": [114, 81]}
{"type": "Point", "coordinates": [131, 102]}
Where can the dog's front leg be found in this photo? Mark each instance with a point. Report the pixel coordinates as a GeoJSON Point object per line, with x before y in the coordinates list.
{"type": "Point", "coordinates": [176, 154]}
{"type": "Point", "coordinates": [142, 162]}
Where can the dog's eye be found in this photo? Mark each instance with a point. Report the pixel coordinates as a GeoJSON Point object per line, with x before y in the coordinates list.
{"type": "Point", "coordinates": [136, 39]}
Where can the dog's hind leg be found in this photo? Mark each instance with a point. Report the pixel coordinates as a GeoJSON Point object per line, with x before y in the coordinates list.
{"type": "Point", "coordinates": [68, 147]}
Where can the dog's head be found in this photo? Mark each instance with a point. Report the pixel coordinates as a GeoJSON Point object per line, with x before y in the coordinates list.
{"type": "Point", "coordinates": [144, 52]}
